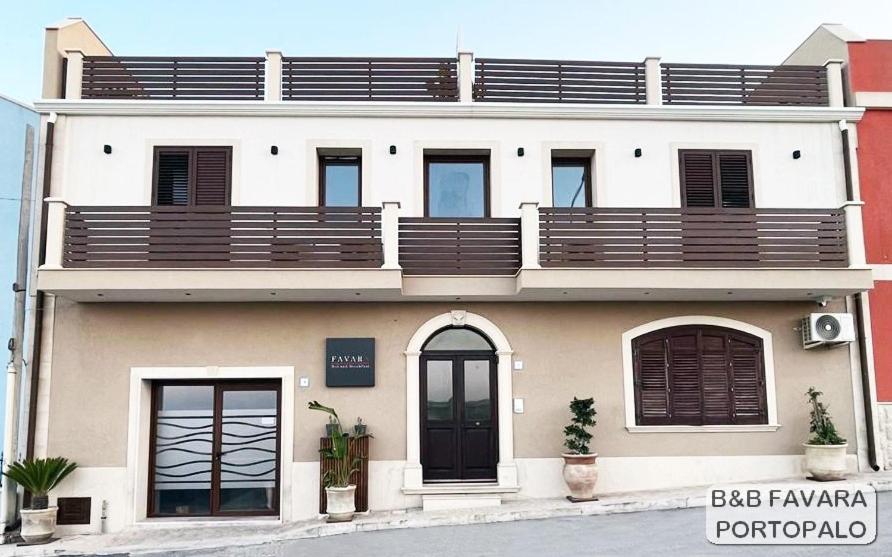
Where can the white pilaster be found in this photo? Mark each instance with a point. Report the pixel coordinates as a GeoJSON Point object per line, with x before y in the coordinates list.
{"type": "Point", "coordinates": [529, 234]}
{"type": "Point", "coordinates": [653, 81]}
{"type": "Point", "coordinates": [55, 232]}
{"type": "Point", "coordinates": [855, 234]}
{"type": "Point", "coordinates": [272, 76]}
{"type": "Point", "coordinates": [74, 73]}
{"type": "Point", "coordinates": [465, 76]}
{"type": "Point", "coordinates": [835, 96]}
{"type": "Point", "coordinates": [390, 230]}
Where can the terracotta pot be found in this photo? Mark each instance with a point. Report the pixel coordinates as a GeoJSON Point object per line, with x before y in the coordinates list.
{"type": "Point", "coordinates": [340, 503]}
{"type": "Point", "coordinates": [581, 474]}
{"type": "Point", "coordinates": [38, 525]}
{"type": "Point", "coordinates": [826, 462]}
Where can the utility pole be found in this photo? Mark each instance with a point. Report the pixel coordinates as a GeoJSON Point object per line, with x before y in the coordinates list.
{"type": "Point", "coordinates": [14, 369]}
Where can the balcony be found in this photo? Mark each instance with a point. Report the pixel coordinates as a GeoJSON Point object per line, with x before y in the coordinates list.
{"type": "Point", "coordinates": [371, 253]}
{"type": "Point", "coordinates": [463, 79]}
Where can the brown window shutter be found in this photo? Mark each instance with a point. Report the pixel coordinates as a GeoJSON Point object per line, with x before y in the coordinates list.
{"type": "Point", "coordinates": [716, 382]}
{"type": "Point", "coordinates": [651, 383]}
{"type": "Point", "coordinates": [735, 180]}
{"type": "Point", "coordinates": [172, 177]}
{"type": "Point", "coordinates": [748, 380]}
{"type": "Point", "coordinates": [684, 380]}
{"type": "Point", "coordinates": [699, 375]}
{"type": "Point", "coordinates": [698, 179]}
{"type": "Point", "coordinates": [212, 175]}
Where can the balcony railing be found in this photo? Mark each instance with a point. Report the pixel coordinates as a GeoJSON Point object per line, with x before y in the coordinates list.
{"type": "Point", "coordinates": [159, 237]}
{"type": "Point", "coordinates": [278, 78]}
{"type": "Point", "coordinates": [369, 237]}
{"type": "Point", "coordinates": [603, 237]}
{"type": "Point", "coordinates": [437, 246]}
{"type": "Point", "coordinates": [194, 78]}
{"type": "Point", "coordinates": [750, 85]}
{"type": "Point", "coordinates": [369, 79]}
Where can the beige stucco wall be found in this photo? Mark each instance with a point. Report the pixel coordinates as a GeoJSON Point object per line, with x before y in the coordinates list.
{"type": "Point", "coordinates": [567, 348]}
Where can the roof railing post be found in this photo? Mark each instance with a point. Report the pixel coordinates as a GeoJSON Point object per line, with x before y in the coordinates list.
{"type": "Point", "coordinates": [653, 85]}
{"type": "Point", "coordinates": [74, 77]}
{"type": "Point", "coordinates": [272, 76]}
{"type": "Point", "coordinates": [465, 77]}
{"type": "Point", "coordinates": [835, 96]}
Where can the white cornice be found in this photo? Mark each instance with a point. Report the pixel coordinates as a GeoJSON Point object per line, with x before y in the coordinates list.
{"type": "Point", "coordinates": [874, 99]}
{"type": "Point", "coordinates": [449, 110]}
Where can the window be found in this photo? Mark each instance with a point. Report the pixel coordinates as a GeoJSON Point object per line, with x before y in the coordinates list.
{"type": "Point", "coordinates": [192, 175]}
{"type": "Point", "coordinates": [456, 186]}
{"type": "Point", "coordinates": [699, 375]}
{"type": "Point", "coordinates": [340, 181]}
{"type": "Point", "coordinates": [571, 182]}
{"type": "Point", "coordinates": [716, 179]}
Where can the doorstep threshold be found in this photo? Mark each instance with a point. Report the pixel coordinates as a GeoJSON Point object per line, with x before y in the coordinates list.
{"type": "Point", "coordinates": [460, 488]}
{"type": "Point", "coordinates": [208, 521]}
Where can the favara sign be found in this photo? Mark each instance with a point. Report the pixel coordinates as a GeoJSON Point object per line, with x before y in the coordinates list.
{"type": "Point", "coordinates": [350, 362]}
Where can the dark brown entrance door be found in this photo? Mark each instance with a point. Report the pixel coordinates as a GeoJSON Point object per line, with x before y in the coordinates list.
{"type": "Point", "coordinates": [214, 449]}
{"type": "Point", "coordinates": [459, 427]}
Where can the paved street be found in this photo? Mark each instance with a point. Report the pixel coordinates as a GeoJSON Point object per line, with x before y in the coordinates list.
{"type": "Point", "coordinates": [676, 532]}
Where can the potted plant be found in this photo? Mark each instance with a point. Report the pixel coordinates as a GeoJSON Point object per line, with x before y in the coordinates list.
{"type": "Point", "coordinates": [38, 476]}
{"type": "Point", "coordinates": [580, 466]}
{"type": "Point", "coordinates": [360, 428]}
{"type": "Point", "coordinates": [339, 492]}
{"type": "Point", "coordinates": [331, 426]}
{"type": "Point", "coordinates": [825, 451]}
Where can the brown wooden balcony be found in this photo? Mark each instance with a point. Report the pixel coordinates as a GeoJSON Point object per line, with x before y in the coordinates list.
{"type": "Point", "coordinates": [169, 237]}
{"type": "Point", "coordinates": [619, 237]}
{"type": "Point", "coordinates": [472, 246]}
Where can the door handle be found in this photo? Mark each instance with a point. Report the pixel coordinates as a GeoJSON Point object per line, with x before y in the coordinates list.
{"type": "Point", "coordinates": [477, 424]}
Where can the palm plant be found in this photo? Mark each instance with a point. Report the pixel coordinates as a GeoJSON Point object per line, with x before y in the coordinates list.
{"type": "Point", "coordinates": [40, 475]}
{"type": "Point", "coordinates": [343, 467]}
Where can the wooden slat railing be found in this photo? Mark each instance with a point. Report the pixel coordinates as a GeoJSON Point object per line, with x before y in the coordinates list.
{"type": "Point", "coordinates": [750, 85]}
{"type": "Point", "coordinates": [480, 246]}
{"type": "Point", "coordinates": [369, 79]}
{"type": "Point", "coordinates": [180, 78]}
{"type": "Point", "coordinates": [220, 236]}
{"type": "Point", "coordinates": [565, 81]}
{"type": "Point", "coordinates": [608, 237]}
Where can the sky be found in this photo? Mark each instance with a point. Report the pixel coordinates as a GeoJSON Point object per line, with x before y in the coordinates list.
{"type": "Point", "coordinates": [716, 31]}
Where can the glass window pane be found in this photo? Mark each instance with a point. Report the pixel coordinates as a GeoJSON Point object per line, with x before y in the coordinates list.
{"type": "Point", "coordinates": [183, 449]}
{"type": "Point", "coordinates": [341, 184]}
{"type": "Point", "coordinates": [456, 189]}
{"type": "Point", "coordinates": [568, 185]}
{"type": "Point", "coordinates": [439, 390]}
{"type": "Point", "coordinates": [477, 399]}
{"type": "Point", "coordinates": [457, 339]}
{"type": "Point", "coordinates": [249, 458]}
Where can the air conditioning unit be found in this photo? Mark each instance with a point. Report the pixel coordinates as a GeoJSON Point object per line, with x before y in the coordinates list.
{"type": "Point", "coordinates": [827, 329]}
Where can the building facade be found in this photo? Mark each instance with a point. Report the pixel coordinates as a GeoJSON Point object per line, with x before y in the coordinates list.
{"type": "Point", "coordinates": [450, 249]}
{"type": "Point", "coordinates": [867, 70]}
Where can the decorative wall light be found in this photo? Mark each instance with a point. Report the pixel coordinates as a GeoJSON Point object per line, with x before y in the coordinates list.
{"type": "Point", "coordinates": [106, 149]}
{"type": "Point", "coordinates": [638, 152]}
{"type": "Point", "coordinates": [393, 149]}
{"type": "Point", "coordinates": [274, 150]}
{"type": "Point", "coordinates": [520, 151]}
{"type": "Point", "coordinates": [797, 154]}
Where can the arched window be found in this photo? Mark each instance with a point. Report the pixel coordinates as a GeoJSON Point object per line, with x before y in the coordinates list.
{"type": "Point", "coordinates": [699, 375]}
{"type": "Point", "coordinates": [457, 338]}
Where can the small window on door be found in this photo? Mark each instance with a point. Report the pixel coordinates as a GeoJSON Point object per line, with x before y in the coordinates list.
{"type": "Point", "coordinates": [340, 181]}
{"type": "Point", "coordinates": [192, 175]}
{"type": "Point", "coordinates": [456, 186]}
{"type": "Point", "coordinates": [717, 179]}
{"type": "Point", "coordinates": [571, 182]}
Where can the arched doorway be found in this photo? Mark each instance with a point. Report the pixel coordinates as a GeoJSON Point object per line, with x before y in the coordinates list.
{"type": "Point", "coordinates": [459, 406]}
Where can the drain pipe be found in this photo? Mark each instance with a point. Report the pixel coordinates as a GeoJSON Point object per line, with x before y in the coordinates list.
{"type": "Point", "coordinates": [863, 356]}
{"type": "Point", "coordinates": [39, 298]}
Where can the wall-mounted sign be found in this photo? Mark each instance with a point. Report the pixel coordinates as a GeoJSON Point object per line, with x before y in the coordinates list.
{"type": "Point", "coordinates": [349, 362]}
